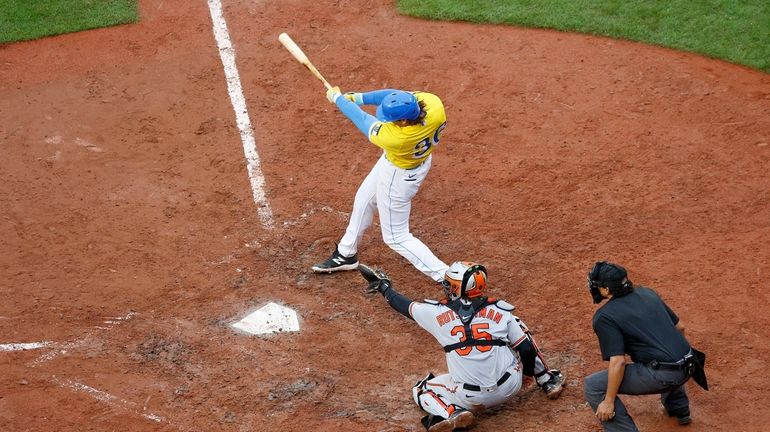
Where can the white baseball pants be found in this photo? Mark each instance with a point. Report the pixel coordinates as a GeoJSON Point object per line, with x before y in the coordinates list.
{"type": "Point", "coordinates": [441, 395]}
{"type": "Point", "coordinates": [389, 191]}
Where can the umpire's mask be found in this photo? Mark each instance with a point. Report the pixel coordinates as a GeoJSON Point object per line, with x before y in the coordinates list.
{"type": "Point", "coordinates": [610, 276]}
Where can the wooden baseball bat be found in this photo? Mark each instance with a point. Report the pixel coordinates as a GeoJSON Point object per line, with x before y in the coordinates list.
{"type": "Point", "coordinates": [295, 50]}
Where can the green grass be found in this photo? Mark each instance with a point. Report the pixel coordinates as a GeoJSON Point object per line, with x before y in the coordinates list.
{"type": "Point", "coordinates": [32, 19]}
{"type": "Point", "coordinates": [734, 30]}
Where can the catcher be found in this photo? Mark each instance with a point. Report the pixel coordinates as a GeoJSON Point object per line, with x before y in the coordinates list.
{"type": "Point", "coordinates": [488, 349]}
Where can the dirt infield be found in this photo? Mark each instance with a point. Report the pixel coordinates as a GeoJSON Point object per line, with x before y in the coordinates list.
{"type": "Point", "coordinates": [129, 237]}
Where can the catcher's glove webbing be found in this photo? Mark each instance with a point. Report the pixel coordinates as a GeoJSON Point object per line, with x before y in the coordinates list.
{"type": "Point", "coordinates": [377, 279]}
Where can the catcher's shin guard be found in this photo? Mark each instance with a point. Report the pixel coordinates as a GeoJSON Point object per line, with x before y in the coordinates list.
{"type": "Point", "coordinates": [421, 383]}
{"type": "Point", "coordinates": [429, 401]}
{"type": "Point", "coordinates": [434, 404]}
{"type": "Point", "coordinates": [419, 387]}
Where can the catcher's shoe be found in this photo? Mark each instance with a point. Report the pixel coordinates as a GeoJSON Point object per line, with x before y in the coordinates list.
{"type": "Point", "coordinates": [554, 386]}
{"type": "Point", "coordinates": [461, 418]}
{"type": "Point", "coordinates": [336, 262]}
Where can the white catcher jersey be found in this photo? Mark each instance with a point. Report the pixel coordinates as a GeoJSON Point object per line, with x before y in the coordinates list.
{"type": "Point", "coordinates": [479, 365]}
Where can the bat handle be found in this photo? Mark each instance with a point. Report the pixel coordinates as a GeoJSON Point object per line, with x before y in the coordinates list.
{"type": "Point", "coordinates": [326, 83]}
{"type": "Point", "coordinates": [318, 75]}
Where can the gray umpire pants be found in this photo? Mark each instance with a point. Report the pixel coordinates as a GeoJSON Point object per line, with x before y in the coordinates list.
{"type": "Point", "coordinates": [638, 379]}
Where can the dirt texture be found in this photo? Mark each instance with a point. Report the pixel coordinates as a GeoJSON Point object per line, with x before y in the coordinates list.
{"type": "Point", "coordinates": [130, 240]}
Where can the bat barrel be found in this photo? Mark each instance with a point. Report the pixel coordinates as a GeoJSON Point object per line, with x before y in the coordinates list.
{"type": "Point", "coordinates": [298, 54]}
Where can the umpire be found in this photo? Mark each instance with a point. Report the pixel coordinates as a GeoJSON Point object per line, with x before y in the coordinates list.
{"type": "Point", "coordinates": [635, 321]}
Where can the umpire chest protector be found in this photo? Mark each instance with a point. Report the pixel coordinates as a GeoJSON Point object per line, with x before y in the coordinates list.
{"type": "Point", "coordinates": [466, 312]}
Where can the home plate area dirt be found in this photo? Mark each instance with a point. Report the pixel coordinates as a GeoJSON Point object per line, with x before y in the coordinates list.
{"type": "Point", "coordinates": [131, 240]}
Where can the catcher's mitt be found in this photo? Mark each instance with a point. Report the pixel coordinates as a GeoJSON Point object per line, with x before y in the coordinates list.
{"type": "Point", "coordinates": [377, 279]}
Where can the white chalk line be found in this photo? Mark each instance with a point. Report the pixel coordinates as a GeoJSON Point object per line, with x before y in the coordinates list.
{"type": "Point", "coordinates": [24, 346]}
{"type": "Point", "coordinates": [108, 399]}
{"type": "Point", "coordinates": [234, 88]}
{"type": "Point", "coordinates": [64, 347]}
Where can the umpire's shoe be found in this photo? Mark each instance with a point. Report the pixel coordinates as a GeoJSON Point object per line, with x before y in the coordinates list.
{"type": "Point", "coordinates": [460, 419]}
{"type": "Point", "coordinates": [554, 386]}
{"type": "Point", "coordinates": [682, 415]}
{"type": "Point", "coordinates": [337, 262]}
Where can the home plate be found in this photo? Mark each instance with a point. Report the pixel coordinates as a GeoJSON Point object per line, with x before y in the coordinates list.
{"type": "Point", "coordinates": [271, 318]}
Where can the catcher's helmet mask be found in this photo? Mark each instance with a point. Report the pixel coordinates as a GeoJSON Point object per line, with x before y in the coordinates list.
{"type": "Point", "coordinates": [465, 279]}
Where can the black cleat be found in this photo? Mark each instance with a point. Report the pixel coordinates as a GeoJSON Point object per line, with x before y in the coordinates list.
{"type": "Point", "coordinates": [336, 262]}
{"type": "Point", "coordinates": [682, 415]}
{"type": "Point", "coordinates": [459, 419]}
{"type": "Point", "coordinates": [554, 386]}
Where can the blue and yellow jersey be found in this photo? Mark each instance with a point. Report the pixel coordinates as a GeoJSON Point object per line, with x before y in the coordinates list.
{"type": "Point", "coordinates": [405, 147]}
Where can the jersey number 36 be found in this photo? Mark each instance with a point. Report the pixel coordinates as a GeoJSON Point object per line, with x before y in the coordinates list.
{"type": "Point", "coordinates": [423, 146]}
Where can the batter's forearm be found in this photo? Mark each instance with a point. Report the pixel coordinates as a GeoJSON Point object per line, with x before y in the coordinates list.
{"type": "Point", "coordinates": [360, 118]}
{"type": "Point", "coordinates": [375, 97]}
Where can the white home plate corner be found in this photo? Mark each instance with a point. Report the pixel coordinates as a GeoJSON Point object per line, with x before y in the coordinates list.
{"type": "Point", "coordinates": [271, 318]}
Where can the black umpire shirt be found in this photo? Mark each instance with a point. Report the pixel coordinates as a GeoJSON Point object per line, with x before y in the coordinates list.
{"type": "Point", "coordinates": [641, 325]}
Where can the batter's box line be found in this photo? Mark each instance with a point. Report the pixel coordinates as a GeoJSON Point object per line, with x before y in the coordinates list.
{"type": "Point", "coordinates": [108, 399]}
{"type": "Point", "coordinates": [24, 346]}
{"type": "Point", "coordinates": [66, 347]}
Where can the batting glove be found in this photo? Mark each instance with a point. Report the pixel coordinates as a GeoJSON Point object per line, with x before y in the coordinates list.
{"type": "Point", "coordinates": [356, 98]}
{"type": "Point", "coordinates": [333, 93]}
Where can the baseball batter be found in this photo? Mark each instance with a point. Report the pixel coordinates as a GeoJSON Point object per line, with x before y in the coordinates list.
{"type": "Point", "coordinates": [407, 127]}
{"type": "Point", "coordinates": [488, 348]}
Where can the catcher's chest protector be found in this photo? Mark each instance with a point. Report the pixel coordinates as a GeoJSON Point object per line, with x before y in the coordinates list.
{"type": "Point", "coordinates": [466, 312]}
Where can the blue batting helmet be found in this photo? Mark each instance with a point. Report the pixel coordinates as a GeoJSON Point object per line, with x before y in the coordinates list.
{"type": "Point", "coordinates": [398, 105]}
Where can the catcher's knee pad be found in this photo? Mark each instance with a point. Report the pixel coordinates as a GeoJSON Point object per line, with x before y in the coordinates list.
{"type": "Point", "coordinates": [420, 387]}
